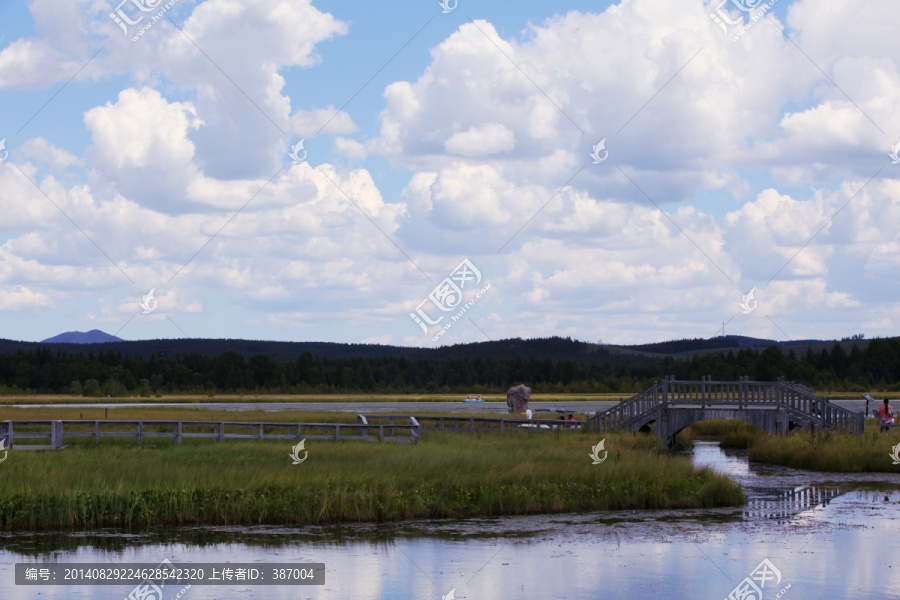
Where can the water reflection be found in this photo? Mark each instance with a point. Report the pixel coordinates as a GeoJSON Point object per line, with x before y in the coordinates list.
{"type": "Point", "coordinates": [709, 454]}
{"type": "Point", "coordinates": [772, 503]}
{"type": "Point", "coordinates": [789, 504]}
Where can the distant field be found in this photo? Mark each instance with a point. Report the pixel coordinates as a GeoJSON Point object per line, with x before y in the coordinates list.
{"type": "Point", "coordinates": [237, 398]}
{"type": "Point", "coordinates": [173, 414]}
{"type": "Point", "coordinates": [187, 413]}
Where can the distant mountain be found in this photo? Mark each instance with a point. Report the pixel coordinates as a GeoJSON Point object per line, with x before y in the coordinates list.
{"type": "Point", "coordinates": [94, 336]}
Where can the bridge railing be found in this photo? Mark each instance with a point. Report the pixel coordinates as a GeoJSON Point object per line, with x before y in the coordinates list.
{"type": "Point", "coordinates": [706, 391]}
{"type": "Point", "coordinates": [627, 411]}
{"type": "Point", "coordinates": [672, 392]}
{"type": "Point", "coordinates": [801, 399]}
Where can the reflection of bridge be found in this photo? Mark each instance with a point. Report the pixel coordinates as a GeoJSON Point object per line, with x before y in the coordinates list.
{"type": "Point", "coordinates": [790, 503]}
{"type": "Point", "coordinates": [779, 407]}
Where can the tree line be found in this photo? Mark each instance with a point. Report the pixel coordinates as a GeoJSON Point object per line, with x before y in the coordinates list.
{"type": "Point", "coordinates": [112, 373]}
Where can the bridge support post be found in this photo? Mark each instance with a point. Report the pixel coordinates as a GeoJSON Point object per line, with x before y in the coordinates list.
{"type": "Point", "coordinates": [663, 428]}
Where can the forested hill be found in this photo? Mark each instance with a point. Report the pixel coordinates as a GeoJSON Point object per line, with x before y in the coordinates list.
{"type": "Point", "coordinates": [216, 347]}
{"type": "Point", "coordinates": [547, 365]}
{"type": "Point", "coordinates": [554, 348]}
{"type": "Point", "coordinates": [715, 343]}
{"type": "Point", "coordinates": [693, 344]}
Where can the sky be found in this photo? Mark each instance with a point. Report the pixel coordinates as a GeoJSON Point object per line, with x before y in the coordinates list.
{"type": "Point", "coordinates": [425, 173]}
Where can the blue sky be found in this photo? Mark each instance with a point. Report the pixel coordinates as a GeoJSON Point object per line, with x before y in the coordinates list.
{"type": "Point", "coordinates": [736, 163]}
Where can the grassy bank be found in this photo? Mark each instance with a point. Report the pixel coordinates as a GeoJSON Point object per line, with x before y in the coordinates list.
{"type": "Point", "coordinates": [836, 452]}
{"type": "Point", "coordinates": [445, 475]}
{"type": "Point", "coordinates": [831, 452]}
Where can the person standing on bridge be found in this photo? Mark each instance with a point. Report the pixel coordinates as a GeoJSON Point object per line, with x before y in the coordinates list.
{"type": "Point", "coordinates": [887, 414]}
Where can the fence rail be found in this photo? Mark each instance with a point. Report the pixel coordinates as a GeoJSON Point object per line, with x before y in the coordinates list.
{"type": "Point", "coordinates": [55, 432]}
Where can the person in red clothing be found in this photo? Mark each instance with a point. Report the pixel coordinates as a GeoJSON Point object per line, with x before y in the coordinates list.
{"type": "Point", "coordinates": [886, 412]}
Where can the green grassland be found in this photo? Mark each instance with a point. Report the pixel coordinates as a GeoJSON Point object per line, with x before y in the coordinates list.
{"type": "Point", "coordinates": [248, 483]}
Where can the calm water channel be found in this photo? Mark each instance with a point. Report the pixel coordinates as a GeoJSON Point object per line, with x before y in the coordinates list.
{"type": "Point", "coordinates": [827, 536]}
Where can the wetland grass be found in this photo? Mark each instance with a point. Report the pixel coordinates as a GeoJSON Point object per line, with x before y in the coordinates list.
{"type": "Point", "coordinates": [830, 452]}
{"type": "Point", "coordinates": [249, 483]}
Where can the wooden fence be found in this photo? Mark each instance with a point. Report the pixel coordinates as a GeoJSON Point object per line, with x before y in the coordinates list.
{"type": "Point", "coordinates": [483, 424]}
{"type": "Point", "coordinates": [54, 433]}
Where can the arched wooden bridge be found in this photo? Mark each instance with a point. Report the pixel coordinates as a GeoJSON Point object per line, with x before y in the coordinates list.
{"type": "Point", "coordinates": [779, 407]}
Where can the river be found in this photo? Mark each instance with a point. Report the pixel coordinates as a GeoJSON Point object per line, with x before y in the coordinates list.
{"type": "Point", "coordinates": [825, 536]}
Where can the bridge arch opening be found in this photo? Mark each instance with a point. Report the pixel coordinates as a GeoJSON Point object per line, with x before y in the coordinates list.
{"type": "Point", "coordinates": [731, 432]}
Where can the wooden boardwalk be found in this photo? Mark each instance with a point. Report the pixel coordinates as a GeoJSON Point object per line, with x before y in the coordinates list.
{"type": "Point", "coordinates": [779, 407]}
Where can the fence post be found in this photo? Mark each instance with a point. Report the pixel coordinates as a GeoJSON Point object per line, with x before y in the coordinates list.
{"type": "Point", "coordinates": [139, 432]}
{"type": "Point", "coordinates": [96, 432]}
{"type": "Point", "coordinates": [381, 432]}
{"type": "Point", "coordinates": [56, 435]}
{"type": "Point", "coordinates": [6, 434]}
{"type": "Point", "coordinates": [260, 431]}
{"type": "Point", "coordinates": [221, 437]}
{"type": "Point", "coordinates": [178, 432]}
{"type": "Point", "coordinates": [337, 432]}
